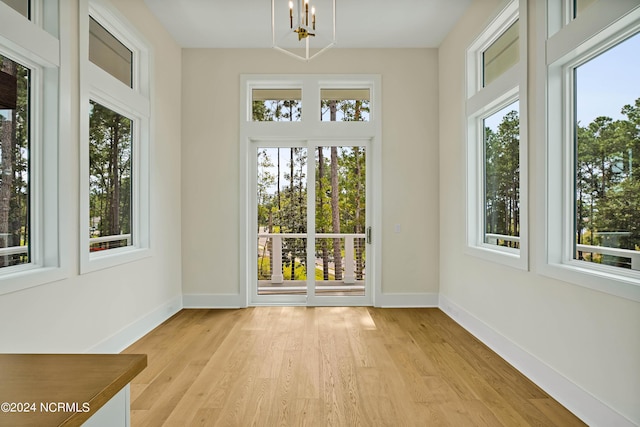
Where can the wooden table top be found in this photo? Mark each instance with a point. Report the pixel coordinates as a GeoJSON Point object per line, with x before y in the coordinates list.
{"type": "Point", "coordinates": [61, 389]}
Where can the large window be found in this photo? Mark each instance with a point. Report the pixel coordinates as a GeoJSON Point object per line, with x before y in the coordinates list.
{"type": "Point", "coordinates": [30, 144]}
{"type": "Point", "coordinates": [593, 147]}
{"type": "Point", "coordinates": [115, 133]}
{"type": "Point", "coordinates": [496, 140]}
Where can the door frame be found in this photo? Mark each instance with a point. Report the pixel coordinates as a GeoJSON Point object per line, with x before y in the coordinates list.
{"type": "Point", "coordinates": [313, 133]}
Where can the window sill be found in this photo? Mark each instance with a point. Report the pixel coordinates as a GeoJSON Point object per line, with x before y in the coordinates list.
{"type": "Point", "coordinates": [599, 278]}
{"type": "Point", "coordinates": [29, 276]}
{"type": "Point", "coordinates": [112, 258]}
{"type": "Point", "coordinates": [499, 255]}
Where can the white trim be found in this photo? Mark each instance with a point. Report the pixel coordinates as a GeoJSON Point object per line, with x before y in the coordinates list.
{"type": "Point", "coordinates": [408, 300]}
{"type": "Point", "coordinates": [35, 47]}
{"type": "Point", "coordinates": [138, 328]}
{"type": "Point", "coordinates": [310, 130]}
{"type": "Point", "coordinates": [481, 102]}
{"type": "Point", "coordinates": [133, 103]}
{"type": "Point", "coordinates": [597, 28]}
{"type": "Point", "coordinates": [221, 301]}
{"type": "Point", "coordinates": [585, 406]}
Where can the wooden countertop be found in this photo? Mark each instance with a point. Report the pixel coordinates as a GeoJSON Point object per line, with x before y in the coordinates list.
{"type": "Point", "coordinates": [81, 383]}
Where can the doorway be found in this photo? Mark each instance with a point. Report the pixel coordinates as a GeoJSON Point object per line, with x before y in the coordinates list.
{"type": "Point", "coordinates": [311, 211]}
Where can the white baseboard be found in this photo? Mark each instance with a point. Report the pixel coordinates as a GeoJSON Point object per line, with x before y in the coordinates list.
{"type": "Point", "coordinates": [213, 301]}
{"type": "Point", "coordinates": [577, 400]}
{"type": "Point", "coordinates": [407, 300]}
{"type": "Point", "coordinates": [138, 328]}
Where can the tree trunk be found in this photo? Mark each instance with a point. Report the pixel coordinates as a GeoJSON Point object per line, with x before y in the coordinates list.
{"type": "Point", "coordinates": [7, 142]}
{"type": "Point", "coordinates": [320, 213]}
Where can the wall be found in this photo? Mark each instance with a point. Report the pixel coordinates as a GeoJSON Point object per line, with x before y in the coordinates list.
{"type": "Point", "coordinates": [106, 310]}
{"type": "Point", "coordinates": [577, 343]}
{"type": "Point", "coordinates": [210, 163]}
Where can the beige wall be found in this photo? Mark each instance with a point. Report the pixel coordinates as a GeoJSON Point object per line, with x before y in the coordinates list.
{"type": "Point", "coordinates": [80, 312]}
{"type": "Point", "coordinates": [210, 163]}
{"type": "Point", "coordinates": [591, 338]}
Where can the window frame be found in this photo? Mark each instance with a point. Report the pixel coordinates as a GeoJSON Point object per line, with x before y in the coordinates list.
{"type": "Point", "coordinates": [482, 102]}
{"type": "Point", "coordinates": [40, 45]}
{"type": "Point", "coordinates": [562, 46]}
{"type": "Point", "coordinates": [133, 102]}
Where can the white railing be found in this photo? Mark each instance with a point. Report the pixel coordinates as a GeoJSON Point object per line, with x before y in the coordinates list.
{"type": "Point", "coordinates": [114, 238]}
{"type": "Point", "coordinates": [14, 250]}
{"type": "Point", "coordinates": [348, 277]}
{"type": "Point", "coordinates": [493, 238]}
{"type": "Point", "coordinates": [623, 253]}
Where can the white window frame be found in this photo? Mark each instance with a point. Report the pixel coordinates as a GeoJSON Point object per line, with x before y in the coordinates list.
{"type": "Point", "coordinates": [41, 44]}
{"type": "Point", "coordinates": [134, 103]}
{"type": "Point", "coordinates": [309, 128]}
{"type": "Point", "coordinates": [482, 102]}
{"type": "Point", "coordinates": [562, 45]}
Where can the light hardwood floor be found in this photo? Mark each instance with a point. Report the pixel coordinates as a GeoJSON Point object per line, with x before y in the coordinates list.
{"type": "Point", "coordinates": [329, 366]}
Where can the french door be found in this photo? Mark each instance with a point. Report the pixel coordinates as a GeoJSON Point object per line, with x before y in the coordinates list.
{"type": "Point", "coordinates": [311, 210]}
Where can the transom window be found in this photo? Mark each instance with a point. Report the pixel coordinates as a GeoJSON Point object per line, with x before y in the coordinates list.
{"type": "Point", "coordinates": [21, 6]}
{"type": "Point", "coordinates": [109, 53]}
{"type": "Point", "coordinates": [345, 105]}
{"type": "Point", "coordinates": [276, 105]}
{"type": "Point", "coordinates": [501, 55]}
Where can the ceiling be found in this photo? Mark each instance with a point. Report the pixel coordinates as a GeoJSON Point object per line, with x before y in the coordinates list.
{"type": "Point", "coordinates": [359, 23]}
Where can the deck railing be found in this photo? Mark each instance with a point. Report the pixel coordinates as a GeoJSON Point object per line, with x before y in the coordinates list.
{"type": "Point", "coordinates": [634, 256]}
{"type": "Point", "coordinates": [349, 275]}
{"type": "Point", "coordinates": [107, 239]}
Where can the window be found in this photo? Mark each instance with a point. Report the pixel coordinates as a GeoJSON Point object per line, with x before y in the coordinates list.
{"type": "Point", "coordinates": [21, 6]}
{"type": "Point", "coordinates": [503, 54]}
{"type": "Point", "coordinates": [502, 178]}
{"type": "Point", "coordinates": [276, 105]}
{"type": "Point", "coordinates": [496, 140]}
{"type": "Point", "coordinates": [345, 105]}
{"type": "Point", "coordinates": [15, 123]}
{"type": "Point", "coordinates": [592, 149]}
{"type": "Point", "coordinates": [31, 146]}
{"type": "Point", "coordinates": [108, 53]}
{"type": "Point", "coordinates": [115, 135]}
{"type": "Point", "coordinates": [109, 178]}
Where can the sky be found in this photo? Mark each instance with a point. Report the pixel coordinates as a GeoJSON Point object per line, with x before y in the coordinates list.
{"type": "Point", "coordinates": [608, 82]}
{"type": "Point", "coordinates": [604, 84]}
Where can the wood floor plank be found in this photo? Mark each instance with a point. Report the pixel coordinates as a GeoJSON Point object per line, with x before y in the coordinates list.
{"type": "Point", "coordinates": [337, 366]}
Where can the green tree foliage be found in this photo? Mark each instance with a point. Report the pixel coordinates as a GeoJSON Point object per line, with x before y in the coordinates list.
{"type": "Point", "coordinates": [282, 206]}
{"type": "Point", "coordinates": [607, 184]}
{"type": "Point", "coordinates": [502, 178]}
{"type": "Point", "coordinates": [110, 172]}
{"type": "Point", "coordinates": [14, 167]}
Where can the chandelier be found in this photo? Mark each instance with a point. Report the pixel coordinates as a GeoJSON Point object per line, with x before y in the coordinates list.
{"type": "Point", "coordinates": [294, 31]}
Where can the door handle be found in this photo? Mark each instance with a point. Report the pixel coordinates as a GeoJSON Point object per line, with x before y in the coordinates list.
{"type": "Point", "coordinates": [369, 232]}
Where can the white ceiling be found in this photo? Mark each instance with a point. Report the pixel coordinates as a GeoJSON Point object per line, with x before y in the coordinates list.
{"type": "Point", "coordinates": [359, 23]}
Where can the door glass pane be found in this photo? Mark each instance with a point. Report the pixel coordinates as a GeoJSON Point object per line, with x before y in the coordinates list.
{"type": "Point", "coordinates": [282, 220]}
{"type": "Point", "coordinates": [501, 55]}
{"type": "Point", "coordinates": [110, 140]}
{"type": "Point", "coordinates": [343, 105]}
{"type": "Point", "coordinates": [108, 53]}
{"type": "Point", "coordinates": [15, 227]}
{"type": "Point", "coordinates": [607, 161]}
{"type": "Point", "coordinates": [340, 255]}
{"type": "Point", "coordinates": [276, 105]}
{"type": "Point", "coordinates": [502, 177]}
{"type": "Point", "coordinates": [22, 6]}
